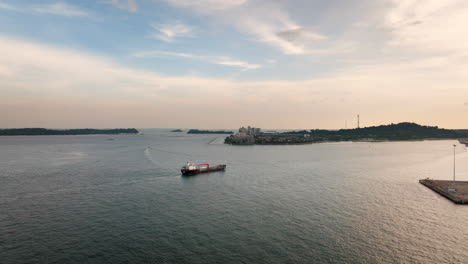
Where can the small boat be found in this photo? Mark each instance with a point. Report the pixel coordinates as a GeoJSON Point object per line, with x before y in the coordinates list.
{"type": "Point", "coordinates": [192, 169]}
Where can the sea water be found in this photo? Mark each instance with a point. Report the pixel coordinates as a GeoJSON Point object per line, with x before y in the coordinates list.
{"type": "Point", "coordinates": [121, 199]}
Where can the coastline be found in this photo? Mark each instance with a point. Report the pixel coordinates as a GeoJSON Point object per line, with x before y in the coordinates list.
{"type": "Point", "coordinates": [66, 132]}
{"type": "Point", "coordinates": [121, 134]}
{"type": "Point", "coordinates": [404, 131]}
{"type": "Point", "coordinates": [340, 141]}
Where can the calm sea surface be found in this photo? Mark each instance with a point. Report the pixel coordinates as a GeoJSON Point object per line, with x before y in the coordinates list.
{"type": "Point", "coordinates": [88, 199]}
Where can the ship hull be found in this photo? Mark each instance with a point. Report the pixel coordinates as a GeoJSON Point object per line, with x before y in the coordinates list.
{"type": "Point", "coordinates": [186, 172]}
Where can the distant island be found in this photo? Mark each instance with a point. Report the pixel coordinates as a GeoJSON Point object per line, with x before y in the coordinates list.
{"type": "Point", "coordinates": [177, 130]}
{"type": "Point", "coordinates": [392, 132]}
{"type": "Point", "coordinates": [196, 131]}
{"type": "Point", "coordinates": [44, 131]}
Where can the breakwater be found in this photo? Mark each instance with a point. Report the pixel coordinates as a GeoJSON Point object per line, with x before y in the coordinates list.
{"type": "Point", "coordinates": [455, 191]}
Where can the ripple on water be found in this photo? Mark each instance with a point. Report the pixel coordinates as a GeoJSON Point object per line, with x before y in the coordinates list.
{"type": "Point", "coordinates": [97, 201]}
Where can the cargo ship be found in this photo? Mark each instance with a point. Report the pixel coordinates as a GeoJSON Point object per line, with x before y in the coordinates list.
{"type": "Point", "coordinates": [192, 169]}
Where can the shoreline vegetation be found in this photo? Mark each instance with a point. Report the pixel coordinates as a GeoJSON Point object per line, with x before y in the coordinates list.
{"type": "Point", "coordinates": [394, 132]}
{"type": "Point", "coordinates": [196, 131]}
{"type": "Point", "coordinates": [65, 132]}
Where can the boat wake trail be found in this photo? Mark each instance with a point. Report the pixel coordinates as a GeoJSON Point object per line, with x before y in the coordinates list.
{"type": "Point", "coordinates": [213, 140]}
{"type": "Point", "coordinates": [150, 158]}
{"type": "Point", "coordinates": [170, 152]}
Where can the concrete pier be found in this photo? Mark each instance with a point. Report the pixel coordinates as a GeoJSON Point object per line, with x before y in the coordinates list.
{"type": "Point", "coordinates": [455, 191]}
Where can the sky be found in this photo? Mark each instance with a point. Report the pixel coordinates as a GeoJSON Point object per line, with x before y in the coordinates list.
{"type": "Point", "coordinates": [279, 64]}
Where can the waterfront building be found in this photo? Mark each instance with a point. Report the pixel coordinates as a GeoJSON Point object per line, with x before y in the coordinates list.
{"type": "Point", "coordinates": [245, 136]}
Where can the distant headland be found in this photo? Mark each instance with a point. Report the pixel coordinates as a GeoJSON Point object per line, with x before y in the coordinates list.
{"type": "Point", "coordinates": [392, 132]}
{"type": "Point", "coordinates": [48, 132]}
{"type": "Point", "coordinates": [177, 130]}
{"type": "Point", "coordinates": [196, 131]}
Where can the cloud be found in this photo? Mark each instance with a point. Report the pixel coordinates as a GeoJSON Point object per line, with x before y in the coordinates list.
{"type": "Point", "coordinates": [62, 9]}
{"type": "Point", "coordinates": [427, 26]}
{"type": "Point", "coordinates": [169, 32]}
{"type": "Point", "coordinates": [8, 7]}
{"type": "Point", "coordinates": [208, 4]}
{"type": "Point", "coordinates": [267, 22]}
{"type": "Point", "coordinates": [130, 5]}
{"type": "Point", "coordinates": [414, 11]}
{"type": "Point", "coordinates": [300, 34]}
{"type": "Point", "coordinates": [59, 8]}
{"type": "Point", "coordinates": [268, 33]}
{"type": "Point", "coordinates": [5, 71]}
{"type": "Point", "coordinates": [57, 87]}
{"type": "Point", "coordinates": [236, 63]}
{"type": "Point", "coordinates": [394, 28]}
{"type": "Point", "coordinates": [220, 60]}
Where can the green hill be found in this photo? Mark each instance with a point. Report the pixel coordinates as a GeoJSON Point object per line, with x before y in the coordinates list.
{"type": "Point", "coordinates": [401, 131]}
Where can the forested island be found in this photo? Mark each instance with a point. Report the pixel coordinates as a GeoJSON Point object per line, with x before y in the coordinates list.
{"type": "Point", "coordinates": [177, 130]}
{"type": "Point", "coordinates": [196, 131]}
{"type": "Point", "coordinates": [392, 132]}
{"type": "Point", "coordinates": [45, 131]}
